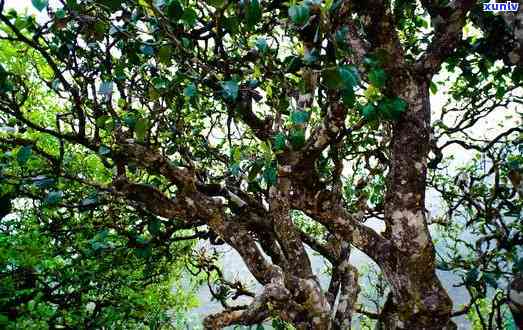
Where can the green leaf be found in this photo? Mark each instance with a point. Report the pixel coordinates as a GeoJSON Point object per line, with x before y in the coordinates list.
{"type": "Point", "coordinates": [369, 111]}
{"type": "Point", "coordinates": [377, 77]}
{"type": "Point", "coordinates": [518, 265]}
{"type": "Point", "coordinates": [348, 97]}
{"type": "Point", "coordinates": [130, 120]}
{"type": "Point", "coordinates": [190, 90]}
{"type": "Point", "coordinates": [398, 105]}
{"type": "Point", "coordinates": [420, 22]}
{"type": "Point", "coordinates": [189, 17]}
{"type": "Point", "coordinates": [119, 73]}
{"type": "Point", "coordinates": [279, 141]}
{"type": "Point", "coordinates": [230, 90]}
{"type": "Point", "coordinates": [490, 280]}
{"type": "Point", "coordinates": [341, 35]}
{"type": "Point", "coordinates": [141, 127]}
{"type": "Point", "coordinates": [392, 108]}
{"type": "Point", "coordinates": [278, 324]}
{"type": "Point", "coordinates": [154, 227]}
{"type": "Point", "coordinates": [144, 252]}
{"type": "Point", "coordinates": [104, 150]}
{"type": "Point", "coordinates": [54, 197]}
{"type": "Point", "coordinates": [370, 61]}
{"type": "Point", "coordinates": [234, 169]}
{"type": "Point", "coordinates": [253, 12]}
{"type": "Point", "coordinates": [147, 50]}
{"type": "Point", "coordinates": [310, 56]}
{"type": "Point", "coordinates": [266, 150]}
{"type": "Point", "coordinates": [122, 103]}
{"type": "Point", "coordinates": [236, 155]}
{"type": "Point", "coordinates": [297, 138]}
{"type": "Point", "coordinates": [255, 169]}
{"type": "Point", "coordinates": [472, 276]}
{"type": "Point", "coordinates": [40, 4]}
{"type": "Point", "coordinates": [60, 14]}
{"type": "Point", "coordinates": [5, 85]}
{"type": "Point", "coordinates": [164, 54]}
{"type": "Point", "coordinates": [253, 83]}
{"type": "Point", "coordinates": [23, 154]}
{"type": "Point", "coordinates": [299, 117]}
{"type": "Point", "coordinates": [111, 4]}
{"type": "Point", "coordinates": [517, 75]}
{"type": "Point", "coordinates": [216, 3]}
{"type": "Point", "coordinates": [299, 14]}
{"type": "Point", "coordinates": [260, 327]}
{"type": "Point", "coordinates": [160, 83]}
{"type": "Point", "coordinates": [186, 42]}
{"type": "Point", "coordinates": [349, 76]}
{"type": "Point", "coordinates": [294, 63]}
{"type": "Point", "coordinates": [331, 78]}
{"type": "Point", "coordinates": [89, 201]}
{"type": "Point", "coordinates": [99, 30]}
{"type": "Point", "coordinates": [433, 88]}
{"type": "Point", "coordinates": [174, 10]}
{"type": "Point", "coordinates": [102, 121]}
{"type": "Point", "coordinates": [270, 175]}
{"type": "Point", "coordinates": [262, 46]}
{"type": "Point", "coordinates": [231, 24]}
{"type": "Point", "coordinates": [344, 77]}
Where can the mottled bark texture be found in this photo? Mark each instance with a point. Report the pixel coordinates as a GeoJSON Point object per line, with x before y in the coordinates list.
{"type": "Point", "coordinates": [418, 300]}
{"type": "Point", "coordinates": [515, 300]}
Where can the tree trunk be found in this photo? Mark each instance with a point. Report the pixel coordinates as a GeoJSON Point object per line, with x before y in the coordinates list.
{"type": "Point", "coordinates": [418, 300]}
{"type": "Point", "coordinates": [515, 300]}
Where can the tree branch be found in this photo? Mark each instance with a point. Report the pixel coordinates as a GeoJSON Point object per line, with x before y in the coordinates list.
{"type": "Point", "coordinates": [448, 21]}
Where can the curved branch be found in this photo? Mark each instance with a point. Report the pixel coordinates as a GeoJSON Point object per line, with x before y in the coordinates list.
{"type": "Point", "coordinates": [449, 21]}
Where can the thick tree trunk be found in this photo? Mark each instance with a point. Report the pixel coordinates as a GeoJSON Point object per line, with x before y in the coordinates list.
{"type": "Point", "coordinates": [418, 300]}
{"type": "Point", "coordinates": [515, 300]}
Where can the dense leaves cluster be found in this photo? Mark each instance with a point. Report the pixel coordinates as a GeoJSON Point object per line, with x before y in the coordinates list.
{"type": "Point", "coordinates": [61, 270]}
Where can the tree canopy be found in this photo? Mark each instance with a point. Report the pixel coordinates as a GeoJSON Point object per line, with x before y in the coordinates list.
{"type": "Point", "coordinates": [132, 129]}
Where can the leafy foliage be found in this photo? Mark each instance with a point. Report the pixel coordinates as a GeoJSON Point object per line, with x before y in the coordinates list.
{"type": "Point", "coordinates": [72, 272]}
{"type": "Point", "coordinates": [131, 129]}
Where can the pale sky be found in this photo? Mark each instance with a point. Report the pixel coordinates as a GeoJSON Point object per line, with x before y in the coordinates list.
{"type": "Point", "coordinates": [20, 5]}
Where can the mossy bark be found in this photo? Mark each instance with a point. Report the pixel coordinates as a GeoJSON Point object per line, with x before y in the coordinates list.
{"type": "Point", "coordinates": [418, 300]}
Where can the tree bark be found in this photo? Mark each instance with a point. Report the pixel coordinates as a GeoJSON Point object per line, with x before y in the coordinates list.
{"type": "Point", "coordinates": [418, 299]}
{"type": "Point", "coordinates": [515, 300]}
